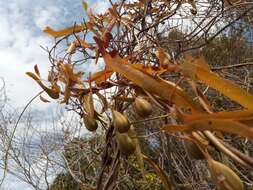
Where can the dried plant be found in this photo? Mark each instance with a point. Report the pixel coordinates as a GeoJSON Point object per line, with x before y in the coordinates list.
{"type": "Point", "coordinates": [140, 46]}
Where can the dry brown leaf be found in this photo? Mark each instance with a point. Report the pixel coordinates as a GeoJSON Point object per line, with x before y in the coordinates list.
{"type": "Point", "coordinates": [194, 68]}
{"type": "Point", "coordinates": [224, 125]}
{"type": "Point", "coordinates": [101, 76]}
{"type": "Point", "coordinates": [239, 115]}
{"type": "Point", "coordinates": [148, 69]}
{"type": "Point", "coordinates": [66, 31]}
{"type": "Point", "coordinates": [52, 92]}
{"type": "Point", "coordinates": [153, 85]}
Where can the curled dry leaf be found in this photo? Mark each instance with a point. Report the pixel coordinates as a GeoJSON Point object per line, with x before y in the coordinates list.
{"type": "Point", "coordinates": [53, 92]}
{"type": "Point", "coordinates": [224, 125]}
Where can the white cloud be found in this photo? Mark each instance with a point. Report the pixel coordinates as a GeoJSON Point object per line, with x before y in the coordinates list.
{"type": "Point", "coordinates": [100, 6]}
{"type": "Point", "coordinates": [21, 35]}
{"type": "Point", "coordinates": [46, 17]}
{"type": "Point", "coordinates": [20, 39]}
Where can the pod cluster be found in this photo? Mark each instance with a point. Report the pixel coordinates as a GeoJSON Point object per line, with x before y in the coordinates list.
{"type": "Point", "coordinates": [122, 126]}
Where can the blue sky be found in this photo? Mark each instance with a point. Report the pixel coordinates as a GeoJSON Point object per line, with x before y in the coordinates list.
{"type": "Point", "coordinates": [21, 35]}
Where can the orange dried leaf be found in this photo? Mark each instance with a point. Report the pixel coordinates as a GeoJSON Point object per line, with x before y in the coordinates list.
{"type": "Point", "coordinates": [68, 75]}
{"type": "Point", "coordinates": [239, 115]}
{"type": "Point", "coordinates": [148, 69]}
{"type": "Point", "coordinates": [101, 76]}
{"type": "Point", "coordinates": [226, 87]}
{"type": "Point", "coordinates": [66, 31]}
{"type": "Point", "coordinates": [159, 87]}
{"type": "Point", "coordinates": [224, 125]}
{"type": "Point", "coordinates": [53, 93]}
{"type": "Point", "coordinates": [113, 11]}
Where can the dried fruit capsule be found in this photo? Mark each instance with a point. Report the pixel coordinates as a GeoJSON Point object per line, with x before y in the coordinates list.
{"type": "Point", "coordinates": [126, 144]}
{"type": "Point", "coordinates": [120, 122]}
{"type": "Point", "coordinates": [90, 123]}
{"type": "Point", "coordinates": [142, 107]}
{"type": "Point", "coordinates": [224, 177]}
{"type": "Point", "coordinates": [193, 150]}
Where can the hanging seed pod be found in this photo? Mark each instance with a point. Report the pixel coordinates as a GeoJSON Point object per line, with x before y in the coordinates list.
{"type": "Point", "coordinates": [142, 107]}
{"type": "Point", "coordinates": [120, 122]}
{"type": "Point", "coordinates": [126, 144]}
{"type": "Point", "coordinates": [90, 123]}
{"type": "Point", "coordinates": [224, 177]}
{"type": "Point", "coordinates": [193, 150]}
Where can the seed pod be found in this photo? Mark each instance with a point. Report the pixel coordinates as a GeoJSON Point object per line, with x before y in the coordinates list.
{"type": "Point", "coordinates": [90, 123]}
{"type": "Point", "coordinates": [193, 150]}
{"type": "Point", "coordinates": [224, 177]}
{"type": "Point", "coordinates": [142, 107]}
{"type": "Point", "coordinates": [120, 122]}
{"type": "Point", "coordinates": [126, 144]}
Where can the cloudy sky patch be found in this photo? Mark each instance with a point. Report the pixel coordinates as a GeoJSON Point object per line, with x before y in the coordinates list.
{"type": "Point", "coordinates": [21, 36]}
